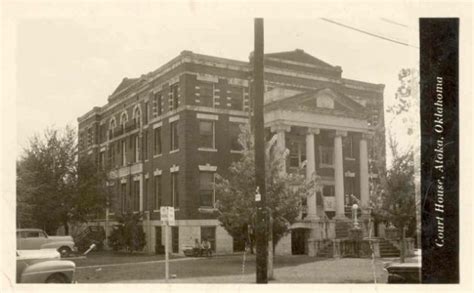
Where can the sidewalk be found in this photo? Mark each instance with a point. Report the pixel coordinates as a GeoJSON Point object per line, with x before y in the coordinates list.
{"type": "Point", "coordinates": [346, 270]}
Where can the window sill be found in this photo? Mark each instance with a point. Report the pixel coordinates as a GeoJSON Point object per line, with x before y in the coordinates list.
{"type": "Point", "coordinates": [207, 150]}
{"type": "Point", "coordinates": [156, 211]}
{"type": "Point", "coordinates": [236, 152]}
{"type": "Point", "coordinates": [349, 159]}
{"type": "Point", "coordinates": [207, 210]}
{"type": "Point", "coordinates": [174, 151]}
{"type": "Point", "coordinates": [157, 156]}
{"type": "Point", "coordinates": [326, 166]}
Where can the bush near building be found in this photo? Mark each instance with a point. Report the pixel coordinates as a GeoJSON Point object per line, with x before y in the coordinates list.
{"type": "Point", "coordinates": [128, 234]}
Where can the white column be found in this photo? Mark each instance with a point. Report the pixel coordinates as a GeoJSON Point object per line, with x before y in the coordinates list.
{"type": "Point", "coordinates": [339, 173]}
{"type": "Point", "coordinates": [311, 171]}
{"type": "Point", "coordinates": [364, 171]}
{"type": "Point", "coordinates": [280, 130]}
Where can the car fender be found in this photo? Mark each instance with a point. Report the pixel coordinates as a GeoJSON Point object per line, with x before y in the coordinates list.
{"type": "Point", "coordinates": [39, 272]}
{"type": "Point", "coordinates": [58, 244]}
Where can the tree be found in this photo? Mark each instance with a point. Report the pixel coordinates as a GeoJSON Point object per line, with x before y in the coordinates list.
{"type": "Point", "coordinates": [53, 188]}
{"type": "Point", "coordinates": [396, 201]}
{"type": "Point", "coordinates": [128, 234]}
{"type": "Point", "coordinates": [236, 191]}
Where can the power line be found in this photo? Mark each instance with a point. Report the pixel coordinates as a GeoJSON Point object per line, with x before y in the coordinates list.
{"type": "Point", "coordinates": [394, 22]}
{"type": "Point", "coordinates": [368, 33]}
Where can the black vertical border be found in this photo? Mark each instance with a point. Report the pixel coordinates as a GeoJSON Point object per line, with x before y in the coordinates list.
{"type": "Point", "coordinates": [439, 58]}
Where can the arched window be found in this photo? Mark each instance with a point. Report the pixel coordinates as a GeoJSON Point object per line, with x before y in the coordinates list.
{"type": "Point", "coordinates": [137, 114]}
{"type": "Point", "coordinates": [123, 120]}
{"type": "Point", "coordinates": [112, 126]}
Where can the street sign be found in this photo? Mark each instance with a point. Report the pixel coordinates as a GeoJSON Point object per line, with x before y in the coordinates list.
{"type": "Point", "coordinates": [167, 215]}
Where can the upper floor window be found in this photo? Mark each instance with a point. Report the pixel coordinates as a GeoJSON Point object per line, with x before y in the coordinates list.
{"type": "Point", "coordinates": [174, 189]}
{"type": "Point", "coordinates": [326, 156]}
{"type": "Point", "coordinates": [207, 134]}
{"type": "Point", "coordinates": [236, 95]}
{"type": "Point", "coordinates": [112, 126]}
{"type": "Point", "coordinates": [157, 141]}
{"type": "Point", "coordinates": [157, 105]}
{"type": "Point", "coordinates": [157, 195]}
{"type": "Point", "coordinates": [206, 94]}
{"type": "Point", "coordinates": [137, 114]}
{"type": "Point", "coordinates": [174, 137]}
{"type": "Point", "coordinates": [174, 102]}
{"type": "Point", "coordinates": [206, 189]}
{"type": "Point", "coordinates": [348, 146]}
{"type": "Point", "coordinates": [297, 153]}
{"type": "Point", "coordinates": [123, 120]}
{"type": "Point", "coordinates": [234, 132]}
{"type": "Point", "coordinates": [136, 195]}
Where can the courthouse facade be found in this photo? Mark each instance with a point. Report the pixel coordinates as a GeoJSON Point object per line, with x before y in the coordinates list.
{"type": "Point", "coordinates": [164, 135]}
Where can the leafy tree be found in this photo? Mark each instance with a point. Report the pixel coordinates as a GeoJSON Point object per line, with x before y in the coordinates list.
{"type": "Point", "coordinates": [53, 188]}
{"type": "Point", "coordinates": [396, 201]}
{"type": "Point", "coordinates": [236, 191]}
{"type": "Point", "coordinates": [128, 234]}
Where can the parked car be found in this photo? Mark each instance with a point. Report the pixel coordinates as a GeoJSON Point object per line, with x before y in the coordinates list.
{"type": "Point", "coordinates": [43, 266]}
{"type": "Point", "coordinates": [27, 239]}
{"type": "Point", "coordinates": [406, 273]}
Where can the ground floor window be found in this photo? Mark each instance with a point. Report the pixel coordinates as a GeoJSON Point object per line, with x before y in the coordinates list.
{"type": "Point", "coordinates": [136, 195]}
{"type": "Point", "coordinates": [175, 239]}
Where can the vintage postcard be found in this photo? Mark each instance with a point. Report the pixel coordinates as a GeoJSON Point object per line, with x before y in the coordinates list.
{"type": "Point", "coordinates": [245, 145]}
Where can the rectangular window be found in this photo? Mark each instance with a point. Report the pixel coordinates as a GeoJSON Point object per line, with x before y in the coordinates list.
{"type": "Point", "coordinates": [206, 134]}
{"type": "Point", "coordinates": [174, 189]}
{"type": "Point", "coordinates": [123, 196]}
{"type": "Point", "coordinates": [237, 98]}
{"type": "Point", "coordinates": [297, 153]}
{"type": "Point", "coordinates": [206, 189]}
{"type": "Point", "coordinates": [136, 195]}
{"type": "Point", "coordinates": [145, 195]}
{"type": "Point", "coordinates": [102, 159]}
{"type": "Point", "coordinates": [145, 145]}
{"type": "Point", "coordinates": [348, 146]}
{"type": "Point", "coordinates": [234, 133]}
{"type": "Point", "coordinates": [158, 104]}
{"type": "Point", "coordinates": [157, 141]}
{"type": "Point", "coordinates": [328, 190]}
{"type": "Point", "coordinates": [326, 156]}
{"type": "Point", "coordinates": [206, 94]}
{"type": "Point", "coordinates": [157, 196]}
{"type": "Point", "coordinates": [124, 153]}
{"type": "Point", "coordinates": [136, 146]}
{"type": "Point", "coordinates": [174, 96]}
{"type": "Point", "coordinates": [145, 115]}
{"type": "Point", "coordinates": [174, 139]}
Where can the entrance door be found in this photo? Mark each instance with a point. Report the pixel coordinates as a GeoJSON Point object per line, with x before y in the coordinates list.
{"type": "Point", "coordinates": [298, 241]}
{"type": "Point", "coordinates": [159, 245]}
{"type": "Point", "coordinates": [175, 239]}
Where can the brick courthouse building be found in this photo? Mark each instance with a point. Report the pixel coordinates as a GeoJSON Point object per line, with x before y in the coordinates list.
{"type": "Point", "coordinates": [165, 134]}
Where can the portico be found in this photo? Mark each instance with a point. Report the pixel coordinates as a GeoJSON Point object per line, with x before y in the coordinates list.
{"type": "Point", "coordinates": [323, 120]}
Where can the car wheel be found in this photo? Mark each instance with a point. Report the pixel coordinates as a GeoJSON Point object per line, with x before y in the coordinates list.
{"type": "Point", "coordinates": [64, 251]}
{"type": "Point", "coordinates": [56, 278]}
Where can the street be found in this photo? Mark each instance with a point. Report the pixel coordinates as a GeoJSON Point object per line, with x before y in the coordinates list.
{"type": "Point", "coordinates": [225, 269]}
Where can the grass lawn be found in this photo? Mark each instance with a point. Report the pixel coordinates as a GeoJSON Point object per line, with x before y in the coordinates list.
{"type": "Point", "coordinates": [221, 269]}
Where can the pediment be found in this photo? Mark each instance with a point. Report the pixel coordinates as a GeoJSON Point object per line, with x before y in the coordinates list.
{"type": "Point", "coordinates": [322, 100]}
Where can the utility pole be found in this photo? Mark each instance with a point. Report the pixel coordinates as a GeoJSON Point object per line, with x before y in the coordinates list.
{"type": "Point", "coordinates": [260, 197]}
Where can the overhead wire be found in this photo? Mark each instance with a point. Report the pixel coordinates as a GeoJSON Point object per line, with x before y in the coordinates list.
{"type": "Point", "coordinates": [368, 33]}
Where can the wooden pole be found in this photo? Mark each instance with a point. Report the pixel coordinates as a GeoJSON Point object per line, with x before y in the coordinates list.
{"type": "Point", "coordinates": [261, 223]}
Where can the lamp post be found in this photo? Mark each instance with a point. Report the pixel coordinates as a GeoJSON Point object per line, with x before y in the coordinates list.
{"type": "Point", "coordinates": [354, 215]}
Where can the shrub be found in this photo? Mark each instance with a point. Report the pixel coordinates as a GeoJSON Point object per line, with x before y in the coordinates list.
{"type": "Point", "coordinates": [128, 234]}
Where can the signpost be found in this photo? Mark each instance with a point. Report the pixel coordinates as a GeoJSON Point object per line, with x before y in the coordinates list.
{"type": "Point", "coordinates": [167, 218]}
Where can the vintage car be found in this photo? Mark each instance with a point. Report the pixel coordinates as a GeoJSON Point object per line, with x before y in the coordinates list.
{"type": "Point", "coordinates": [27, 239]}
{"type": "Point", "coordinates": [406, 273]}
{"type": "Point", "coordinates": [43, 266]}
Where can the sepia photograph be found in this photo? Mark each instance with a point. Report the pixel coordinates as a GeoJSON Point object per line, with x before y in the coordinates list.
{"type": "Point", "coordinates": [193, 142]}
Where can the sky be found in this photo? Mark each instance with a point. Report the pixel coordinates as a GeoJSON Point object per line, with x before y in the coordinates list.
{"type": "Point", "coordinates": [71, 59]}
